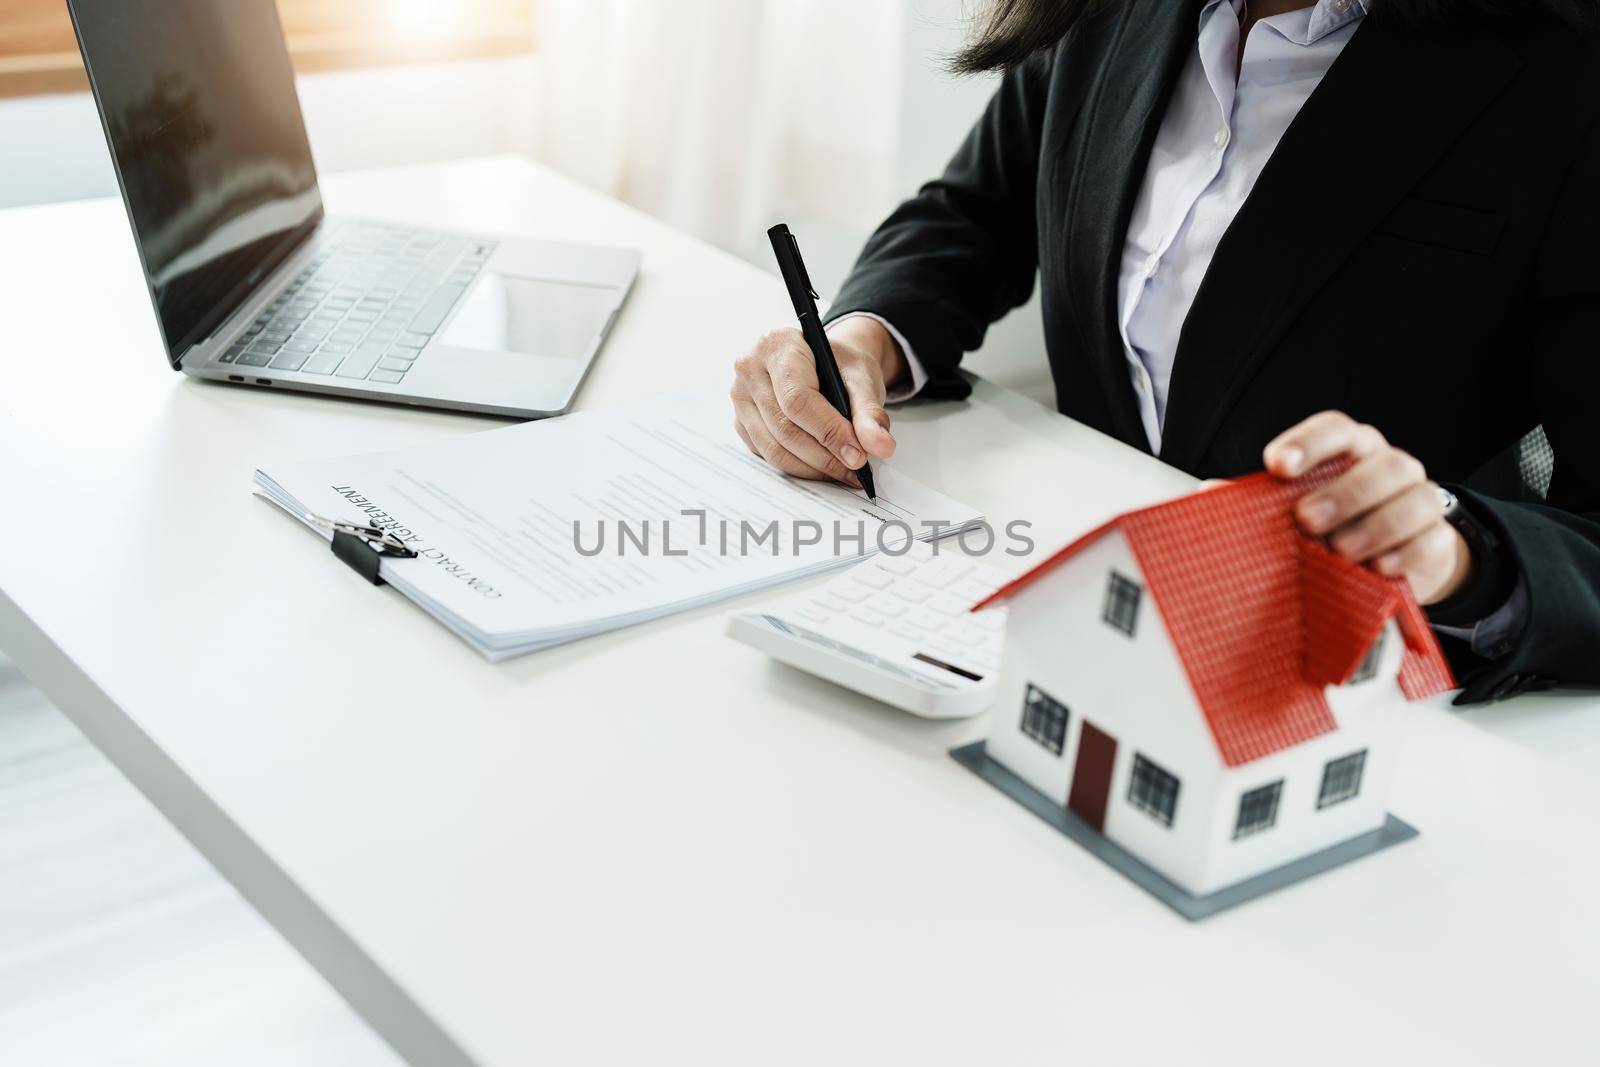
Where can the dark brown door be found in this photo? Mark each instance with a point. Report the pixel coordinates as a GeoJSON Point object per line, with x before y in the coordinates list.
{"type": "Point", "coordinates": [1091, 778]}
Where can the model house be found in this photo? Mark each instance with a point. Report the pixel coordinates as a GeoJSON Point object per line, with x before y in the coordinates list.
{"type": "Point", "coordinates": [1210, 688]}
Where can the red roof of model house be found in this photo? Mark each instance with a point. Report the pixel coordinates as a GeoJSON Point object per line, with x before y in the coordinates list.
{"type": "Point", "coordinates": [1263, 616]}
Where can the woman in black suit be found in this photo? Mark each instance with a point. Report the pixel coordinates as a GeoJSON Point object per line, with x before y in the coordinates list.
{"type": "Point", "coordinates": [1278, 233]}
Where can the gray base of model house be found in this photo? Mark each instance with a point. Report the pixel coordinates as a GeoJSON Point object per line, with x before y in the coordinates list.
{"type": "Point", "coordinates": [976, 759]}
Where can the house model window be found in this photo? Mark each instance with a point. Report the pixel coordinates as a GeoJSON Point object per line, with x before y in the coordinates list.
{"type": "Point", "coordinates": [1122, 603]}
{"type": "Point", "coordinates": [1044, 719]}
{"type": "Point", "coordinates": [1368, 668]}
{"type": "Point", "coordinates": [1341, 779]}
{"type": "Point", "coordinates": [1153, 790]}
{"type": "Point", "coordinates": [1258, 810]}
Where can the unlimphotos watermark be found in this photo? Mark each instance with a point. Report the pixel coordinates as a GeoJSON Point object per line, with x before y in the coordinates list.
{"type": "Point", "coordinates": [675, 536]}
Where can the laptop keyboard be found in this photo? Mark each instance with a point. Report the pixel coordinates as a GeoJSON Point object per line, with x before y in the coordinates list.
{"type": "Point", "coordinates": [366, 305]}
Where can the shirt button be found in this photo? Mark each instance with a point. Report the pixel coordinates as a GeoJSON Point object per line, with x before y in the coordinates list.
{"type": "Point", "coordinates": [1152, 265]}
{"type": "Point", "coordinates": [1220, 139]}
{"type": "Point", "coordinates": [1340, 6]}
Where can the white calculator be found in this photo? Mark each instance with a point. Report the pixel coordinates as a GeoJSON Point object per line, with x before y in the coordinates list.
{"type": "Point", "coordinates": [898, 628]}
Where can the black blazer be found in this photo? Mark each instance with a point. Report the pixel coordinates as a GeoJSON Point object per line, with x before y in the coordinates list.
{"type": "Point", "coordinates": [1422, 252]}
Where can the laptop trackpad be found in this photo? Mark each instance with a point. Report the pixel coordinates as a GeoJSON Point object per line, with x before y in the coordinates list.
{"type": "Point", "coordinates": [508, 313]}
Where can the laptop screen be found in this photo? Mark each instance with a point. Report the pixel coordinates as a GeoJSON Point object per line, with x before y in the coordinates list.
{"type": "Point", "coordinates": [199, 106]}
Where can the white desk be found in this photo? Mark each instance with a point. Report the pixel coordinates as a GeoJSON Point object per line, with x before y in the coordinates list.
{"type": "Point", "coordinates": [656, 846]}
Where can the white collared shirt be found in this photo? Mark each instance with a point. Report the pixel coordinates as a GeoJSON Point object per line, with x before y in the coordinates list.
{"type": "Point", "coordinates": [1214, 142]}
{"type": "Point", "coordinates": [1215, 139]}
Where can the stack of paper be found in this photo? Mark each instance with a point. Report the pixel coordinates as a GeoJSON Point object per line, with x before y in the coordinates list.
{"type": "Point", "coordinates": [539, 534]}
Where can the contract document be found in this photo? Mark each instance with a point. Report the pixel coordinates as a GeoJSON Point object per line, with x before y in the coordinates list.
{"type": "Point", "coordinates": [535, 535]}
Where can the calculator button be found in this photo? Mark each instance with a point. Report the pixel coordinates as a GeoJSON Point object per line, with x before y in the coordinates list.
{"type": "Point", "coordinates": [970, 635]}
{"type": "Point", "coordinates": [872, 576]}
{"type": "Point", "coordinates": [850, 591]}
{"type": "Point", "coordinates": [896, 564]}
{"type": "Point", "coordinates": [869, 618]}
{"type": "Point", "coordinates": [972, 589]}
{"type": "Point", "coordinates": [911, 592]}
{"type": "Point", "coordinates": [941, 574]}
{"type": "Point", "coordinates": [887, 605]}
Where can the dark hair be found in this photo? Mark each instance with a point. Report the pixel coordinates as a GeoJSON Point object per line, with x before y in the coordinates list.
{"type": "Point", "coordinates": [1010, 31]}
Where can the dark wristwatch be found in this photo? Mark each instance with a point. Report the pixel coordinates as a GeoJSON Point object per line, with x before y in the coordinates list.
{"type": "Point", "coordinates": [1492, 575]}
{"type": "Point", "coordinates": [1478, 537]}
{"type": "Point", "coordinates": [1489, 589]}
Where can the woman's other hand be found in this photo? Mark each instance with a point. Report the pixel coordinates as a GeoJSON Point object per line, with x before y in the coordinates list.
{"type": "Point", "coordinates": [1383, 511]}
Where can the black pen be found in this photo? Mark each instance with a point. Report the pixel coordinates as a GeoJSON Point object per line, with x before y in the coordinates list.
{"type": "Point", "coordinates": [787, 249]}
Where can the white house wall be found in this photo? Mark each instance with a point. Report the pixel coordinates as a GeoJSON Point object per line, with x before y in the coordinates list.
{"type": "Point", "coordinates": [1132, 688]}
{"type": "Point", "coordinates": [1365, 714]}
{"type": "Point", "coordinates": [1135, 690]}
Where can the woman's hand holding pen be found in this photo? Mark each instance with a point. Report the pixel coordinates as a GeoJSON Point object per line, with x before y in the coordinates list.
{"type": "Point", "coordinates": [784, 418]}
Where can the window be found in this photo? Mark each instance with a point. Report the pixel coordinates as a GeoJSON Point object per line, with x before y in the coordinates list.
{"type": "Point", "coordinates": [1367, 669]}
{"type": "Point", "coordinates": [1341, 779]}
{"type": "Point", "coordinates": [39, 54]}
{"type": "Point", "coordinates": [1044, 719]}
{"type": "Point", "coordinates": [1153, 790]}
{"type": "Point", "coordinates": [1258, 810]}
{"type": "Point", "coordinates": [1122, 603]}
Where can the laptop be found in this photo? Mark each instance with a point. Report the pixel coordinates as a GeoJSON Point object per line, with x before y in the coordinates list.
{"type": "Point", "coordinates": [254, 285]}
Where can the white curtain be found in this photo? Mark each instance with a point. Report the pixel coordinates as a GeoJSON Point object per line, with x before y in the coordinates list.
{"type": "Point", "coordinates": [723, 116]}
